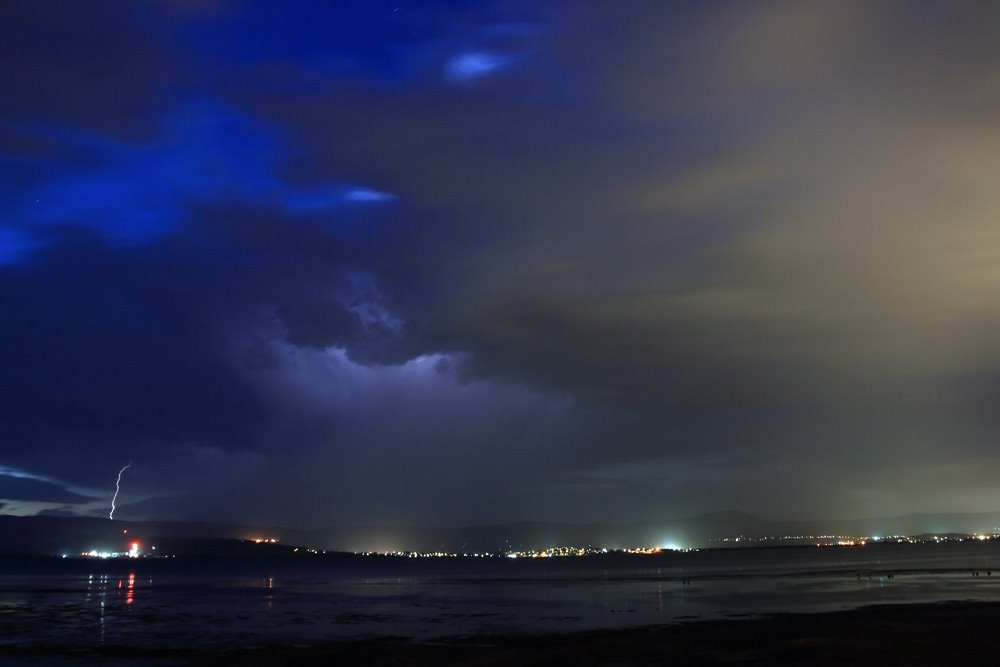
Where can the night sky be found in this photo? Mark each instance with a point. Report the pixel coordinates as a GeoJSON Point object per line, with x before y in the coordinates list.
{"type": "Point", "coordinates": [451, 263]}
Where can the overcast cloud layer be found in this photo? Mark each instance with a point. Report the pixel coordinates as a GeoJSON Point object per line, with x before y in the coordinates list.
{"type": "Point", "coordinates": [465, 262]}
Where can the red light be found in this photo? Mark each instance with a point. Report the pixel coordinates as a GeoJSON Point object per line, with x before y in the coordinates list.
{"type": "Point", "coordinates": [125, 532]}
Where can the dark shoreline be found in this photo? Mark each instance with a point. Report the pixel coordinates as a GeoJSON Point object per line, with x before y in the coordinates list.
{"type": "Point", "coordinates": [902, 634]}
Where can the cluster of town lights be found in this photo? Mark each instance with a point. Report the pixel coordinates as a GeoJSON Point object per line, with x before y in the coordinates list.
{"type": "Point", "coordinates": [562, 552]}
{"type": "Point", "coordinates": [853, 541]}
{"type": "Point", "coordinates": [551, 552]}
{"type": "Point", "coordinates": [133, 552]}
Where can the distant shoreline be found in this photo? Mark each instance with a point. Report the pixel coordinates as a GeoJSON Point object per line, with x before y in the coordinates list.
{"type": "Point", "coordinates": [934, 633]}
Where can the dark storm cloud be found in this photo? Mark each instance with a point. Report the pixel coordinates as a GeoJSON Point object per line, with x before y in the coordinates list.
{"type": "Point", "coordinates": [729, 228]}
{"type": "Point", "coordinates": [401, 444]}
{"type": "Point", "coordinates": [136, 342]}
{"type": "Point", "coordinates": [99, 345]}
{"type": "Point", "coordinates": [606, 224]}
{"type": "Point", "coordinates": [105, 67]}
{"type": "Point", "coordinates": [498, 262]}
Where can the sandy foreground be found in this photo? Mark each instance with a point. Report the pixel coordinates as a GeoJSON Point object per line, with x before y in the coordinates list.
{"type": "Point", "coordinates": [953, 633]}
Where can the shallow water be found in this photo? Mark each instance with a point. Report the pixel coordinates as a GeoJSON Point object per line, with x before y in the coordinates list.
{"type": "Point", "coordinates": [229, 604]}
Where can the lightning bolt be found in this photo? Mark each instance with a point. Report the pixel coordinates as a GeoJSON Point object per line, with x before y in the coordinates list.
{"type": "Point", "coordinates": [118, 485]}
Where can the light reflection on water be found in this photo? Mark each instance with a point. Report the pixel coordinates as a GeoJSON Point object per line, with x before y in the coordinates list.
{"type": "Point", "coordinates": [228, 604]}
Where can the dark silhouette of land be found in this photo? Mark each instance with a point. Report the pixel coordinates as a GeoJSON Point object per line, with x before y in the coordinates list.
{"type": "Point", "coordinates": [46, 535]}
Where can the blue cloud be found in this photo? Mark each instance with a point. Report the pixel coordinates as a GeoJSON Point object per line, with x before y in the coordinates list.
{"type": "Point", "coordinates": [467, 67]}
{"type": "Point", "coordinates": [332, 196]}
{"type": "Point", "coordinates": [368, 195]}
{"type": "Point", "coordinates": [135, 193]}
{"type": "Point", "coordinates": [14, 245]}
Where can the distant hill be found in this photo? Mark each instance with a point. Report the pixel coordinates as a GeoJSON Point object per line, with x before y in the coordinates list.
{"type": "Point", "coordinates": [45, 535]}
{"type": "Point", "coordinates": [706, 530]}
{"type": "Point", "coordinates": [57, 535]}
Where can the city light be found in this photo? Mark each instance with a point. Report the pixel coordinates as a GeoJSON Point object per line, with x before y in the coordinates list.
{"type": "Point", "coordinates": [133, 552]}
{"type": "Point", "coordinates": [853, 540]}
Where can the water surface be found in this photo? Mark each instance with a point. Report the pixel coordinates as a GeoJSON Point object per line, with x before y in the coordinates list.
{"type": "Point", "coordinates": [215, 604]}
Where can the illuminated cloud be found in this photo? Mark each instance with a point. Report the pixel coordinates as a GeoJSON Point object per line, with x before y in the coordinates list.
{"type": "Point", "coordinates": [367, 195]}
{"type": "Point", "coordinates": [7, 471]}
{"type": "Point", "coordinates": [467, 67]}
{"type": "Point", "coordinates": [331, 197]}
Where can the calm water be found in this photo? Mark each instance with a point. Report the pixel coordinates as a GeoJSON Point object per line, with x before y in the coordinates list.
{"type": "Point", "coordinates": [226, 604]}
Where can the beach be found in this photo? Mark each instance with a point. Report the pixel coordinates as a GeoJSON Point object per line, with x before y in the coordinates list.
{"type": "Point", "coordinates": [903, 634]}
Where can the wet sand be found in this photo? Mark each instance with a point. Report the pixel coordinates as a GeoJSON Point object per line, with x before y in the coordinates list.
{"type": "Point", "coordinates": [921, 634]}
